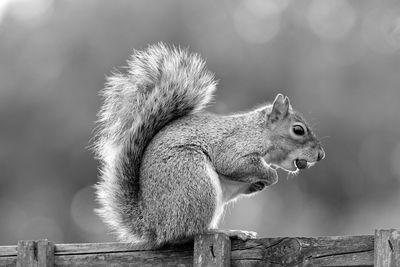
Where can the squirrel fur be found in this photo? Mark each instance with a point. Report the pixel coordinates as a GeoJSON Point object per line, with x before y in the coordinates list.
{"type": "Point", "coordinates": [168, 168]}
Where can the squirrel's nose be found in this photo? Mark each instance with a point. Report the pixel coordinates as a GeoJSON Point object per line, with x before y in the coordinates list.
{"type": "Point", "coordinates": [321, 154]}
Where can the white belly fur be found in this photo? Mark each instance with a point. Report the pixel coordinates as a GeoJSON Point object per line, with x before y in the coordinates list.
{"type": "Point", "coordinates": [226, 191]}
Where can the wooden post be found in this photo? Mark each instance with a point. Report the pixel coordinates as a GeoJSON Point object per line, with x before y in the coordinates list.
{"type": "Point", "coordinates": [32, 253]}
{"type": "Point", "coordinates": [26, 253]}
{"type": "Point", "coordinates": [45, 253]}
{"type": "Point", "coordinates": [387, 248]}
{"type": "Point", "coordinates": [212, 250]}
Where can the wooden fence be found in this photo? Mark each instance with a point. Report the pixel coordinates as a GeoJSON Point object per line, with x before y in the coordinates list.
{"type": "Point", "coordinates": [381, 249]}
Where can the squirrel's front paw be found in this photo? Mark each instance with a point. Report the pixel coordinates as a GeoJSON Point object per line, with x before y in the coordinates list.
{"type": "Point", "coordinates": [257, 186]}
{"type": "Point", "coordinates": [272, 176]}
{"type": "Point", "coordinates": [268, 177]}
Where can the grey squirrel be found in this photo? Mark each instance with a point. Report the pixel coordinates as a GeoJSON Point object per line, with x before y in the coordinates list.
{"type": "Point", "coordinates": [168, 168]}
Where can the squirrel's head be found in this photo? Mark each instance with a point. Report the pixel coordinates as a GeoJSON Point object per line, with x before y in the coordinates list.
{"type": "Point", "coordinates": [293, 144]}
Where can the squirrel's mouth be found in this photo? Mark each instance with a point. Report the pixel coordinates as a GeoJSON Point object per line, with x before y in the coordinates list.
{"type": "Point", "coordinates": [286, 166]}
{"type": "Point", "coordinates": [292, 166]}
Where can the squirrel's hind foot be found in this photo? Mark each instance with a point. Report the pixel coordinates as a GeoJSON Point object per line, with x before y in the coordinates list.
{"type": "Point", "coordinates": [239, 234]}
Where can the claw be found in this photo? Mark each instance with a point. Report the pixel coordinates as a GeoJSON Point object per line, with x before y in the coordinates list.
{"type": "Point", "coordinates": [245, 235]}
{"type": "Point", "coordinates": [239, 234]}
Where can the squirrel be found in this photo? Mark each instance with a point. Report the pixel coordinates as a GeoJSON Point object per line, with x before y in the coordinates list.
{"type": "Point", "coordinates": [167, 167]}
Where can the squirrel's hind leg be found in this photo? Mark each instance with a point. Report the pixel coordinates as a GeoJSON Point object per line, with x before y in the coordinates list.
{"type": "Point", "coordinates": [181, 199]}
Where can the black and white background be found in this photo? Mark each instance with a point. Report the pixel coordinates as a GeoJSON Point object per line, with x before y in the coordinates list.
{"type": "Point", "coordinates": [337, 60]}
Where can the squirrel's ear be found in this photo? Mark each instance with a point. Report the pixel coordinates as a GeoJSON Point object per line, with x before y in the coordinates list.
{"type": "Point", "coordinates": [280, 108]}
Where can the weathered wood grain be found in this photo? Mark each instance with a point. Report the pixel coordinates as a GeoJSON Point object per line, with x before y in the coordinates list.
{"type": "Point", "coordinates": [124, 255]}
{"type": "Point", "coordinates": [8, 261]}
{"type": "Point", "coordinates": [304, 251]}
{"type": "Point", "coordinates": [45, 253]}
{"type": "Point", "coordinates": [31, 253]}
{"type": "Point", "coordinates": [276, 252]}
{"type": "Point", "coordinates": [61, 249]}
{"type": "Point", "coordinates": [212, 250]}
{"type": "Point", "coordinates": [387, 248]}
{"type": "Point", "coordinates": [8, 251]}
{"type": "Point", "coordinates": [26, 253]}
{"type": "Point", "coordinates": [8, 256]}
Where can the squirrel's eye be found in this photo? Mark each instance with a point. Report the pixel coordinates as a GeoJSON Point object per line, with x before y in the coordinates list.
{"type": "Point", "coordinates": [298, 130]}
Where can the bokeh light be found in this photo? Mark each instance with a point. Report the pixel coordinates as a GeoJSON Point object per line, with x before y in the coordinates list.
{"type": "Point", "coordinates": [3, 9]}
{"type": "Point", "coordinates": [257, 21]}
{"type": "Point", "coordinates": [381, 28]}
{"type": "Point", "coordinates": [331, 19]}
{"type": "Point", "coordinates": [30, 10]}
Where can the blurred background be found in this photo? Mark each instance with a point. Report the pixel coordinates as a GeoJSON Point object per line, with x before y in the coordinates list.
{"type": "Point", "coordinates": [337, 60]}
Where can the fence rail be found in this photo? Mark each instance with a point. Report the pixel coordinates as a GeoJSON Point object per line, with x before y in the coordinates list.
{"type": "Point", "coordinates": [381, 249]}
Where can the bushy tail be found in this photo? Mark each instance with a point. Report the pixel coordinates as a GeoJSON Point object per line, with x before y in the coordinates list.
{"type": "Point", "coordinates": [162, 84]}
